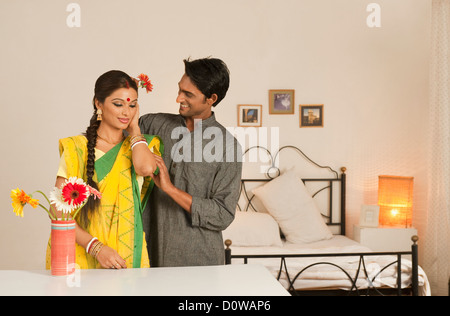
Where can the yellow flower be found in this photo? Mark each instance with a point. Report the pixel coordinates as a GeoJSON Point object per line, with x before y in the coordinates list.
{"type": "Point", "coordinates": [20, 199]}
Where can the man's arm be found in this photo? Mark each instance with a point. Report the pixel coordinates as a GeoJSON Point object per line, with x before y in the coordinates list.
{"type": "Point", "coordinates": [215, 213]}
{"type": "Point", "coordinates": [145, 122]}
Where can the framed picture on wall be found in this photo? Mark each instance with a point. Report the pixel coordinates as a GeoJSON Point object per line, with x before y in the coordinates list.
{"type": "Point", "coordinates": [249, 115]}
{"type": "Point", "coordinates": [369, 216]}
{"type": "Point", "coordinates": [311, 115]}
{"type": "Point", "coordinates": [281, 101]}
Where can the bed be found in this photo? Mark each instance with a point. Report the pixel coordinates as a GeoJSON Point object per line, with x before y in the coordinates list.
{"type": "Point", "coordinates": [295, 226]}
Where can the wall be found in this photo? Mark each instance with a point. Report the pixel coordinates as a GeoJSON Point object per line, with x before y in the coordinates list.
{"type": "Point", "coordinates": [373, 83]}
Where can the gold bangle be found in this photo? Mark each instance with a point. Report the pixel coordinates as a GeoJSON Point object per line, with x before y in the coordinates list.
{"type": "Point", "coordinates": [95, 249]}
{"type": "Point", "coordinates": [137, 138]}
{"type": "Point", "coordinates": [98, 250]}
{"type": "Point", "coordinates": [91, 249]}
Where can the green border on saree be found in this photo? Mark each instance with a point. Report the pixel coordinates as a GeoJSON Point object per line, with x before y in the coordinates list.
{"type": "Point", "coordinates": [104, 165]}
{"type": "Point", "coordinates": [139, 208]}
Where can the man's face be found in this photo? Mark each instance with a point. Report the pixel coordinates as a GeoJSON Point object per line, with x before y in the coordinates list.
{"type": "Point", "coordinates": [193, 103]}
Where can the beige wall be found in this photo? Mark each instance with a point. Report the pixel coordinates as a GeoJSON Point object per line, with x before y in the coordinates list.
{"type": "Point", "coordinates": [372, 81]}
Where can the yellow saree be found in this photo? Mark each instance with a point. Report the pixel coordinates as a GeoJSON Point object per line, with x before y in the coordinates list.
{"type": "Point", "coordinates": [118, 222]}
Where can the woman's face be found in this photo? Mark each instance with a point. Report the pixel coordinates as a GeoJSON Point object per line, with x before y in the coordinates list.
{"type": "Point", "coordinates": [119, 108]}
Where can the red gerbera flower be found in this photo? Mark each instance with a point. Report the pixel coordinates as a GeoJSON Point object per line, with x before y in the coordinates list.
{"type": "Point", "coordinates": [75, 192]}
{"type": "Point", "coordinates": [144, 82]}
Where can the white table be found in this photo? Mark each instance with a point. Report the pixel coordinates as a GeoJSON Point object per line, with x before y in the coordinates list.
{"type": "Point", "coordinates": [230, 280]}
{"type": "Point", "coordinates": [384, 238]}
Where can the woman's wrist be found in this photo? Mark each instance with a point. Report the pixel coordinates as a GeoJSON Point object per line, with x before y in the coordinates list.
{"type": "Point", "coordinates": [95, 248]}
{"type": "Point", "coordinates": [134, 140]}
{"type": "Point", "coordinates": [91, 242]}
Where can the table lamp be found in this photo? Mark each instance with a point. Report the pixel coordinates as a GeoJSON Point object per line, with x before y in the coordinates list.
{"type": "Point", "coordinates": [395, 198]}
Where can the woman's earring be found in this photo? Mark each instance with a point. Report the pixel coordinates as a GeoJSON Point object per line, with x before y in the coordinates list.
{"type": "Point", "coordinates": [99, 114]}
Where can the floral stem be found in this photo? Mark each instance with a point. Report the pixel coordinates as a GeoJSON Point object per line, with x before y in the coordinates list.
{"type": "Point", "coordinates": [45, 196]}
{"type": "Point", "coordinates": [49, 214]}
{"type": "Point", "coordinates": [76, 212]}
{"type": "Point", "coordinates": [46, 209]}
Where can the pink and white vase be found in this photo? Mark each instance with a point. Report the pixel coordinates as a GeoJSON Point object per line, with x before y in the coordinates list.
{"type": "Point", "coordinates": [63, 247]}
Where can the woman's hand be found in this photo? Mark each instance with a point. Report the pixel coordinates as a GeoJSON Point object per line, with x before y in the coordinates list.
{"type": "Point", "coordinates": [110, 259]}
{"type": "Point", "coordinates": [133, 128]}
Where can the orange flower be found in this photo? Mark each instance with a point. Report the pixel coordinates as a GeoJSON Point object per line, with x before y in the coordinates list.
{"type": "Point", "coordinates": [144, 82]}
{"type": "Point", "coordinates": [20, 199]}
{"type": "Point", "coordinates": [143, 77]}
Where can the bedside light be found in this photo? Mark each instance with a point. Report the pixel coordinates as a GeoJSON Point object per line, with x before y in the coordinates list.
{"type": "Point", "coordinates": [395, 198]}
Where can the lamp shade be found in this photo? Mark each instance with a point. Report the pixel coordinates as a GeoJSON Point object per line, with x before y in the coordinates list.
{"type": "Point", "coordinates": [395, 198]}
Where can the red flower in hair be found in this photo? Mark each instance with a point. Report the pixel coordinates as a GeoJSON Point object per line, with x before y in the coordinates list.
{"type": "Point", "coordinates": [144, 82]}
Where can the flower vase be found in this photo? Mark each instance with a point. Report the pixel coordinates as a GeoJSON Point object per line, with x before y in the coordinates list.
{"type": "Point", "coordinates": [62, 247]}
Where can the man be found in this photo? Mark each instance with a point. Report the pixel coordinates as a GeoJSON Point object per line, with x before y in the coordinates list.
{"type": "Point", "coordinates": [198, 186]}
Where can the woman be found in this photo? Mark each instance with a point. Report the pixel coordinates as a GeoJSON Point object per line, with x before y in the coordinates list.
{"type": "Point", "coordinates": [109, 231]}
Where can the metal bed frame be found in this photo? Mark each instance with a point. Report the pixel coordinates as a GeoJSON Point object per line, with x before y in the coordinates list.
{"type": "Point", "coordinates": [338, 180]}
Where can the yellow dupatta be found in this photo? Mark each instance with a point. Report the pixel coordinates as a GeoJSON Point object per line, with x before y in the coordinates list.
{"type": "Point", "coordinates": [118, 221]}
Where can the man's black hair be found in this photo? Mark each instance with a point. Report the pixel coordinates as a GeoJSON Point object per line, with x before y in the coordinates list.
{"type": "Point", "coordinates": [210, 76]}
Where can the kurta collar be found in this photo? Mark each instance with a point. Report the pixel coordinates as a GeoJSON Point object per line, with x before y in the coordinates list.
{"type": "Point", "coordinates": [205, 123]}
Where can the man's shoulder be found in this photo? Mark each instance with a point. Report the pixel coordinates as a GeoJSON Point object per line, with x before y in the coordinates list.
{"type": "Point", "coordinates": [151, 123]}
{"type": "Point", "coordinates": [159, 116]}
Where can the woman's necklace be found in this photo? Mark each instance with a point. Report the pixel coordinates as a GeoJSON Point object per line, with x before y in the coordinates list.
{"type": "Point", "coordinates": [109, 141]}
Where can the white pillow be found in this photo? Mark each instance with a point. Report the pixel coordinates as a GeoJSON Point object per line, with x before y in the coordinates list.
{"type": "Point", "coordinates": [252, 229]}
{"type": "Point", "coordinates": [288, 201]}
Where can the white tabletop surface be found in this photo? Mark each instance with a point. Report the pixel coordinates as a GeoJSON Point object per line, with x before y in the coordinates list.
{"type": "Point", "coordinates": [230, 280]}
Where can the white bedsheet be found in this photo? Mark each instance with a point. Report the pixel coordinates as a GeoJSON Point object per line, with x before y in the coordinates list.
{"type": "Point", "coordinates": [326, 276]}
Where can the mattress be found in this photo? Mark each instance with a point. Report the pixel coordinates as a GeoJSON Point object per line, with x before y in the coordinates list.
{"type": "Point", "coordinates": [327, 272]}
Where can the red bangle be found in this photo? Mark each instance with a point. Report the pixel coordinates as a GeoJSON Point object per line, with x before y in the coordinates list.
{"type": "Point", "coordinates": [88, 248]}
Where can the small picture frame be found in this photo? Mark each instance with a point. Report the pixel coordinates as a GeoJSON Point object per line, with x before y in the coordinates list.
{"type": "Point", "coordinates": [281, 101]}
{"type": "Point", "coordinates": [249, 115]}
{"type": "Point", "coordinates": [369, 216]}
{"type": "Point", "coordinates": [311, 115]}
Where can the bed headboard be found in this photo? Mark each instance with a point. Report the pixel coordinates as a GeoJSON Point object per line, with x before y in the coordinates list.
{"type": "Point", "coordinates": [327, 189]}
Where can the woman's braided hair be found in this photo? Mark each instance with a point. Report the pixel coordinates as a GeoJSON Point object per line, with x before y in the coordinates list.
{"type": "Point", "coordinates": [105, 85]}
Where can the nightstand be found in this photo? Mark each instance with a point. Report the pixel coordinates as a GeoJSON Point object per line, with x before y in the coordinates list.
{"type": "Point", "coordinates": [384, 239]}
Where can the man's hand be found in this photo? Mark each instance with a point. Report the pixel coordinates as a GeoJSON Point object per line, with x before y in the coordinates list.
{"type": "Point", "coordinates": [162, 180]}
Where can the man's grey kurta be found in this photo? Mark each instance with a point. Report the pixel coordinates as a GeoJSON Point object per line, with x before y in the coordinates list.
{"type": "Point", "coordinates": [205, 163]}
